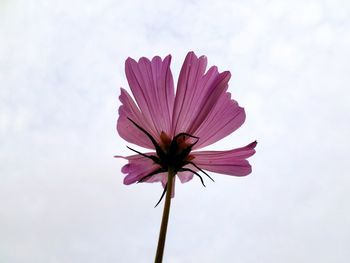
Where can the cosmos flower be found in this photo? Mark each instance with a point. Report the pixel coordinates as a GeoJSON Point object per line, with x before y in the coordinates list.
{"type": "Point", "coordinates": [175, 126]}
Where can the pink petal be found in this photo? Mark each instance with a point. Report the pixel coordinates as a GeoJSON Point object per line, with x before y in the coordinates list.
{"type": "Point", "coordinates": [185, 176]}
{"type": "Point", "coordinates": [151, 83]}
{"type": "Point", "coordinates": [197, 95]}
{"type": "Point", "coordinates": [231, 162]}
{"type": "Point", "coordinates": [126, 129]}
{"type": "Point", "coordinates": [188, 91]}
{"type": "Point", "coordinates": [210, 99]}
{"type": "Point", "coordinates": [225, 117]}
{"type": "Point", "coordinates": [138, 167]}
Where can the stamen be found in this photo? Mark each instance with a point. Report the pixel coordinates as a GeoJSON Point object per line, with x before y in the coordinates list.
{"type": "Point", "coordinates": [190, 170]}
{"type": "Point", "coordinates": [161, 197]}
{"type": "Point", "coordinates": [152, 157]}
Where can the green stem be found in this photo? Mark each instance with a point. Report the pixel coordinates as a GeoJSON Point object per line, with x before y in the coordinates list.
{"type": "Point", "coordinates": [164, 225]}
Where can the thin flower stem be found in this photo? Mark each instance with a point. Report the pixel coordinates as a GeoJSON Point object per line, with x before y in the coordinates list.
{"type": "Point", "coordinates": [164, 225]}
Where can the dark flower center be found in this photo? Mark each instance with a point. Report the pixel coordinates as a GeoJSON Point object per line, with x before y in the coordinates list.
{"type": "Point", "coordinates": [172, 154]}
{"type": "Point", "coordinates": [175, 153]}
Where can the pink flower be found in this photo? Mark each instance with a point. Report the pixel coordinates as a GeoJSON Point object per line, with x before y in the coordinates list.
{"type": "Point", "coordinates": [175, 126]}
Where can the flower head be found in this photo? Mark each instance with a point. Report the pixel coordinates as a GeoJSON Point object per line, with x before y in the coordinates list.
{"type": "Point", "coordinates": [175, 126]}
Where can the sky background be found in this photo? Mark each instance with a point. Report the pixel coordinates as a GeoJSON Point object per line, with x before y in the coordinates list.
{"type": "Point", "coordinates": [62, 198]}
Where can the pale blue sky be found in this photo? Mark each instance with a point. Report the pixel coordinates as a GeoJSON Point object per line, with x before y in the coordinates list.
{"type": "Point", "coordinates": [61, 192]}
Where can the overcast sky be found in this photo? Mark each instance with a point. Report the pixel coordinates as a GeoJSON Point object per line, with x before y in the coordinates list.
{"type": "Point", "coordinates": [61, 193]}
